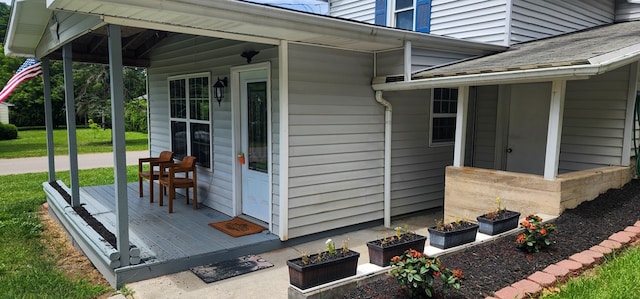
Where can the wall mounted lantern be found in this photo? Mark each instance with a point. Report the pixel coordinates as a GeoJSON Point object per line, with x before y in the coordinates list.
{"type": "Point", "coordinates": [218, 89]}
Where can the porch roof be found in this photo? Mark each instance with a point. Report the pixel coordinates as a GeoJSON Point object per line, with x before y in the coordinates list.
{"type": "Point", "coordinates": [240, 20]}
{"type": "Point", "coordinates": [575, 55]}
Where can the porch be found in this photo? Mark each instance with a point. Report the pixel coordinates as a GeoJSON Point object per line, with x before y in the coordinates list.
{"type": "Point", "coordinates": [471, 191]}
{"type": "Point", "coordinates": [167, 243]}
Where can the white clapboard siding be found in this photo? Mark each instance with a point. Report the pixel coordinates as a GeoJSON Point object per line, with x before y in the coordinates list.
{"type": "Point", "coordinates": [186, 54]}
{"type": "Point", "coordinates": [336, 136]}
{"type": "Point", "coordinates": [392, 62]}
{"type": "Point", "coordinates": [626, 11]}
{"type": "Point", "coordinates": [485, 117]}
{"type": "Point", "coordinates": [358, 10]}
{"type": "Point", "coordinates": [417, 170]}
{"type": "Point", "coordinates": [593, 127]}
{"type": "Point", "coordinates": [533, 19]}
{"type": "Point", "coordinates": [482, 21]}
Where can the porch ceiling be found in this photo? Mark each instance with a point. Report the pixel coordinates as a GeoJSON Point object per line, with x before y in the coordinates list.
{"type": "Point", "coordinates": [237, 20]}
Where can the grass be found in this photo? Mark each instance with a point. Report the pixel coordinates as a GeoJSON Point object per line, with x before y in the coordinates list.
{"type": "Point", "coordinates": [26, 270]}
{"type": "Point", "coordinates": [33, 143]}
{"type": "Point", "coordinates": [617, 278]}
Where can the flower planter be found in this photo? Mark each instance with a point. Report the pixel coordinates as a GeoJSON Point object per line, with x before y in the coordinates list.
{"type": "Point", "coordinates": [505, 220]}
{"type": "Point", "coordinates": [314, 273]}
{"type": "Point", "coordinates": [380, 253]}
{"type": "Point", "coordinates": [455, 236]}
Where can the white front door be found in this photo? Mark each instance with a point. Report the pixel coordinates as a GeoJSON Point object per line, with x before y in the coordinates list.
{"type": "Point", "coordinates": [528, 122]}
{"type": "Point", "coordinates": [254, 117]}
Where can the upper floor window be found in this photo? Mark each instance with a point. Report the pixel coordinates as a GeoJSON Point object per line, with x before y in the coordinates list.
{"type": "Point", "coordinates": [444, 106]}
{"type": "Point", "coordinates": [190, 104]}
{"type": "Point", "coordinates": [404, 14]}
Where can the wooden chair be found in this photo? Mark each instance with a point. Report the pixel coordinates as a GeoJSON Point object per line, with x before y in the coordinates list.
{"type": "Point", "coordinates": [154, 170]}
{"type": "Point", "coordinates": [168, 179]}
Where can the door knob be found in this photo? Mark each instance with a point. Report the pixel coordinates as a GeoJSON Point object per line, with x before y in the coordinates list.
{"type": "Point", "coordinates": [509, 150]}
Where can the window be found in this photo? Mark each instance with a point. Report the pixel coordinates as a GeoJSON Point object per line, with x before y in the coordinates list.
{"type": "Point", "coordinates": [404, 14]}
{"type": "Point", "coordinates": [444, 107]}
{"type": "Point", "coordinates": [189, 102]}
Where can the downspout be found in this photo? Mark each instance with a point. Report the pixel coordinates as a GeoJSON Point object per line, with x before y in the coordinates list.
{"type": "Point", "coordinates": [387, 157]}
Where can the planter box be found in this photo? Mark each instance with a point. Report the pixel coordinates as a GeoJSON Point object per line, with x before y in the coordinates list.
{"type": "Point", "coordinates": [381, 255]}
{"type": "Point", "coordinates": [314, 274]}
{"type": "Point", "coordinates": [454, 237]}
{"type": "Point", "coordinates": [506, 220]}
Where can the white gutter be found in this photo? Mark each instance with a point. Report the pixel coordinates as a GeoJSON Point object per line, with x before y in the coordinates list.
{"type": "Point", "coordinates": [577, 72]}
{"type": "Point", "coordinates": [387, 157]}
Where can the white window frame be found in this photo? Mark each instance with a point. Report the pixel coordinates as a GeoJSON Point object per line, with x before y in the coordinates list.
{"type": "Point", "coordinates": [393, 12]}
{"type": "Point", "coordinates": [187, 120]}
{"type": "Point", "coordinates": [433, 116]}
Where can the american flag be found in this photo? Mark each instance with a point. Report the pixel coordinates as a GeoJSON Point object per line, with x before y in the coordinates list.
{"type": "Point", "coordinates": [27, 71]}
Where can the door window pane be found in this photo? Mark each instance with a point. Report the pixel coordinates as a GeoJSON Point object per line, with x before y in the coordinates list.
{"type": "Point", "coordinates": [257, 126]}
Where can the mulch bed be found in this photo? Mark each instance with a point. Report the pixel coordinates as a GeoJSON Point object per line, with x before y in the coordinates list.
{"type": "Point", "coordinates": [489, 267]}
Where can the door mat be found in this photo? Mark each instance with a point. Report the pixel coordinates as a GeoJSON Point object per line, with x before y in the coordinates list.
{"type": "Point", "coordinates": [230, 268]}
{"type": "Point", "coordinates": [237, 227]}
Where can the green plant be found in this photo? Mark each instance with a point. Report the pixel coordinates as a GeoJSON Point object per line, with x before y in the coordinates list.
{"type": "Point", "coordinates": [126, 292]}
{"type": "Point", "coordinates": [331, 247]}
{"type": "Point", "coordinates": [8, 131]}
{"type": "Point", "coordinates": [95, 128]}
{"type": "Point", "coordinates": [421, 274]}
{"type": "Point", "coordinates": [493, 214]}
{"type": "Point", "coordinates": [536, 234]}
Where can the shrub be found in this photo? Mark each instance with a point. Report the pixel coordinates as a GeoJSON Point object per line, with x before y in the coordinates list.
{"type": "Point", "coordinates": [421, 273]}
{"type": "Point", "coordinates": [8, 131]}
{"type": "Point", "coordinates": [535, 235]}
{"type": "Point", "coordinates": [136, 116]}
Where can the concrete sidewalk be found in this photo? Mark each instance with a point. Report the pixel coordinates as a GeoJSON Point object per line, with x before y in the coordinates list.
{"type": "Point", "coordinates": [85, 161]}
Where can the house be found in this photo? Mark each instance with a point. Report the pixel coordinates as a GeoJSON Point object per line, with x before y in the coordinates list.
{"type": "Point", "coordinates": [4, 112]}
{"type": "Point", "coordinates": [343, 121]}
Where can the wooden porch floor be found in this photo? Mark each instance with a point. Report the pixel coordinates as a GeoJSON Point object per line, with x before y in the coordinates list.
{"type": "Point", "coordinates": [173, 242]}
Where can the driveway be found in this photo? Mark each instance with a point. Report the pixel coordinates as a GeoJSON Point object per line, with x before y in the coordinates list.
{"type": "Point", "coordinates": [85, 161]}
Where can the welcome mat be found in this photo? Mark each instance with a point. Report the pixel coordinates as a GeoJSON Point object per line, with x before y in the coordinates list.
{"type": "Point", "coordinates": [230, 268]}
{"type": "Point", "coordinates": [237, 227]}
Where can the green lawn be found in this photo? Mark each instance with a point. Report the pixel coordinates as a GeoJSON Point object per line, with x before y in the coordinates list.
{"type": "Point", "coordinates": [33, 143]}
{"type": "Point", "coordinates": [25, 269]}
{"type": "Point", "coordinates": [617, 278]}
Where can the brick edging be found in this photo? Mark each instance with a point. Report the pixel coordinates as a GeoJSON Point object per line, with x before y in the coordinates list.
{"type": "Point", "coordinates": [570, 267]}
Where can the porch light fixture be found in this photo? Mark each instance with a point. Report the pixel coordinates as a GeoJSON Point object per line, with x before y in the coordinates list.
{"type": "Point", "coordinates": [218, 89]}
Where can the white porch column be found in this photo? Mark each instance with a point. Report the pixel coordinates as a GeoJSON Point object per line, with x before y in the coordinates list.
{"type": "Point", "coordinates": [283, 80]}
{"type": "Point", "coordinates": [461, 126]}
{"type": "Point", "coordinates": [629, 134]}
{"type": "Point", "coordinates": [48, 118]}
{"type": "Point", "coordinates": [554, 130]}
{"type": "Point", "coordinates": [119, 149]}
{"type": "Point", "coordinates": [70, 106]}
{"type": "Point", "coordinates": [407, 60]}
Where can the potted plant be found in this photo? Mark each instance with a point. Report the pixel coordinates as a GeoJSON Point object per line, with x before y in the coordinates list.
{"type": "Point", "coordinates": [382, 250]}
{"type": "Point", "coordinates": [498, 221]}
{"type": "Point", "coordinates": [332, 264]}
{"type": "Point", "coordinates": [452, 234]}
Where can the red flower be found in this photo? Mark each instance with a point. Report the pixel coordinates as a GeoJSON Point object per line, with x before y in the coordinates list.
{"type": "Point", "coordinates": [532, 227]}
{"type": "Point", "coordinates": [436, 274]}
{"type": "Point", "coordinates": [520, 238]}
{"type": "Point", "coordinates": [457, 273]}
{"type": "Point", "coordinates": [543, 231]}
{"type": "Point", "coordinates": [395, 259]}
{"type": "Point", "coordinates": [414, 253]}
{"type": "Point", "coordinates": [525, 223]}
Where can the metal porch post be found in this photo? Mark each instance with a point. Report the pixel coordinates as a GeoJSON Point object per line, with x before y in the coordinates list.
{"type": "Point", "coordinates": [48, 118]}
{"type": "Point", "coordinates": [119, 149]}
{"type": "Point", "coordinates": [70, 106]}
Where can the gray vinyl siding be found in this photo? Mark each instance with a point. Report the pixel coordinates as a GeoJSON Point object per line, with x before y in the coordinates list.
{"type": "Point", "coordinates": [482, 21]}
{"type": "Point", "coordinates": [417, 170]}
{"type": "Point", "coordinates": [626, 11]}
{"type": "Point", "coordinates": [358, 10]}
{"type": "Point", "coordinates": [594, 118]}
{"type": "Point", "coordinates": [186, 54]}
{"type": "Point", "coordinates": [485, 117]}
{"type": "Point", "coordinates": [533, 19]}
{"type": "Point", "coordinates": [336, 139]}
{"type": "Point", "coordinates": [392, 62]}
